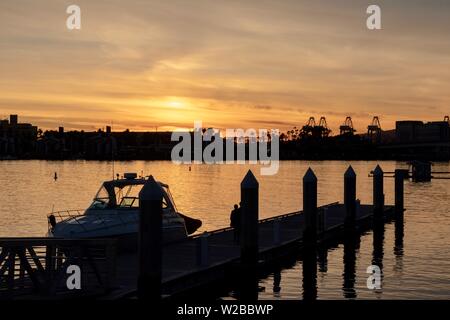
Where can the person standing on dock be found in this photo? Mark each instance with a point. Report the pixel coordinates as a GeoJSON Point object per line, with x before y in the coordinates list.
{"type": "Point", "coordinates": [235, 222]}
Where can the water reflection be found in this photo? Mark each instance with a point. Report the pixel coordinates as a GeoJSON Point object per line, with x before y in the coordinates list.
{"type": "Point", "coordinates": [351, 245]}
{"type": "Point", "coordinates": [378, 241]}
{"type": "Point", "coordinates": [378, 250]}
{"type": "Point", "coordinates": [248, 284]}
{"type": "Point", "coordinates": [398, 246]}
{"type": "Point", "coordinates": [277, 282]}
{"type": "Point", "coordinates": [309, 272]}
{"type": "Point", "coordinates": [322, 258]}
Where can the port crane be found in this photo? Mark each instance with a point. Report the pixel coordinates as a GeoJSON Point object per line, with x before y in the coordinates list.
{"type": "Point", "coordinates": [374, 130]}
{"type": "Point", "coordinates": [311, 129]}
{"type": "Point", "coordinates": [322, 128]}
{"type": "Point", "coordinates": [347, 127]}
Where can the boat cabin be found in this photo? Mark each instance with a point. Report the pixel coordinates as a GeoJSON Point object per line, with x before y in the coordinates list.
{"type": "Point", "coordinates": [124, 194]}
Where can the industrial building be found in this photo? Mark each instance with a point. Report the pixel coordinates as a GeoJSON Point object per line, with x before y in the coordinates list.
{"type": "Point", "coordinates": [420, 132]}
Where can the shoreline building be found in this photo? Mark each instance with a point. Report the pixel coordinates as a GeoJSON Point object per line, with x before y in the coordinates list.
{"type": "Point", "coordinates": [17, 139]}
{"type": "Point", "coordinates": [418, 140]}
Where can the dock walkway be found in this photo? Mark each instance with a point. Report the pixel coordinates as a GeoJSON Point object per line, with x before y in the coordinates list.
{"type": "Point", "coordinates": [180, 262]}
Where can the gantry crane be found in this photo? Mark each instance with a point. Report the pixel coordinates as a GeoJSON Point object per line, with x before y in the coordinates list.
{"type": "Point", "coordinates": [308, 128]}
{"type": "Point", "coordinates": [347, 127]}
{"type": "Point", "coordinates": [322, 129]}
{"type": "Point", "coordinates": [374, 130]}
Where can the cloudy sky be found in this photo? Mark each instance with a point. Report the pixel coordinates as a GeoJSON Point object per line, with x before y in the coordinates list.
{"type": "Point", "coordinates": [142, 64]}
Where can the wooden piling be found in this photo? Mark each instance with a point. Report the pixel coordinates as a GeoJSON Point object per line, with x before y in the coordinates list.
{"type": "Point", "coordinates": [321, 221]}
{"type": "Point", "coordinates": [249, 219]}
{"type": "Point", "coordinates": [399, 193]}
{"type": "Point", "coordinates": [248, 280]}
{"type": "Point", "coordinates": [350, 196]}
{"type": "Point", "coordinates": [378, 193]}
{"type": "Point", "coordinates": [309, 251]}
{"type": "Point", "coordinates": [203, 250]}
{"type": "Point", "coordinates": [310, 206]}
{"type": "Point", "coordinates": [150, 241]}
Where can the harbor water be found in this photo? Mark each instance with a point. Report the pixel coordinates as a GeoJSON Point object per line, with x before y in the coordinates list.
{"type": "Point", "coordinates": [416, 264]}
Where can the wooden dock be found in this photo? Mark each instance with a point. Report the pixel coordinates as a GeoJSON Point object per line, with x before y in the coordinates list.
{"type": "Point", "coordinates": [35, 268]}
{"type": "Point", "coordinates": [182, 270]}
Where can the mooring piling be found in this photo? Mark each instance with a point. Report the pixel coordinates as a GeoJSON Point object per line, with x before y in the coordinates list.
{"type": "Point", "coordinates": [249, 237]}
{"type": "Point", "coordinates": [310, 206]}
{"type": "Point", "coordinates": [399, 193]}
{"type": "Point", "coordinates": [309, 251]}
{"type": "Point", "coordinates": [150, 241]}
{"type": "Point", "coordinates": [321, 221]}
{"type": "Point", "coordinates": [350, 196]}
{"type": "Point", "coordinates": [249, 219]}
{"type": "Point", "coordinates": [203, 250]}
{"type": "Point", "coordinates": [378, 208]}
{"type": "Point", "coordinates": [378, 193]}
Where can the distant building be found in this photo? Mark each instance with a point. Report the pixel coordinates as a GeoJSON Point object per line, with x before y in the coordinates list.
{"type": "Point", "coordinates": [17, 139]}
{"type": "Point", "coordinates": [420, 132]}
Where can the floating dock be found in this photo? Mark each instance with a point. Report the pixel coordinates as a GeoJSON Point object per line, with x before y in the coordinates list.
{"type": "Point", "coordinates": [183, 270]}
{"type": "Point", "coordinates": [36, 268]}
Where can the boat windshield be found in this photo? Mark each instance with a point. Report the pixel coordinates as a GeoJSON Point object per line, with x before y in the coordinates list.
{"type": "Point", "coordinates": [126, 196]}
{"type": "Point", "coordinates": [101, 200]}
{"type": "Point", "coordinates": [169, 197]}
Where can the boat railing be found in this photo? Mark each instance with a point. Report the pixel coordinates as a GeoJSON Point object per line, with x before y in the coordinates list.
{"type": "Point", "coordinates": [65, 215]}
{"type": "Point", "coordinates": [75, 215]}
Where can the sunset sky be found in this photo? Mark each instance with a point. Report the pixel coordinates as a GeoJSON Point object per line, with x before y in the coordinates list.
{"type": "Point", "coordinates": [249, 63]}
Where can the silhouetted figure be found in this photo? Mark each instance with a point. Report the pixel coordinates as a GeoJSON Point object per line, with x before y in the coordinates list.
{"type": "Point", "coordinates": [55, 177]}
{"type": "Point", "coordinates": [235, 222]}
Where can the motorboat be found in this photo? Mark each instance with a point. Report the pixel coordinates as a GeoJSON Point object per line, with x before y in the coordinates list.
{"type": "Point", "coordinates": [114, 213]}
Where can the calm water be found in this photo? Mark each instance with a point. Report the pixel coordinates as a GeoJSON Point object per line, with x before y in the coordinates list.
{"type": "Point", "coordinates": [416, 269]}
